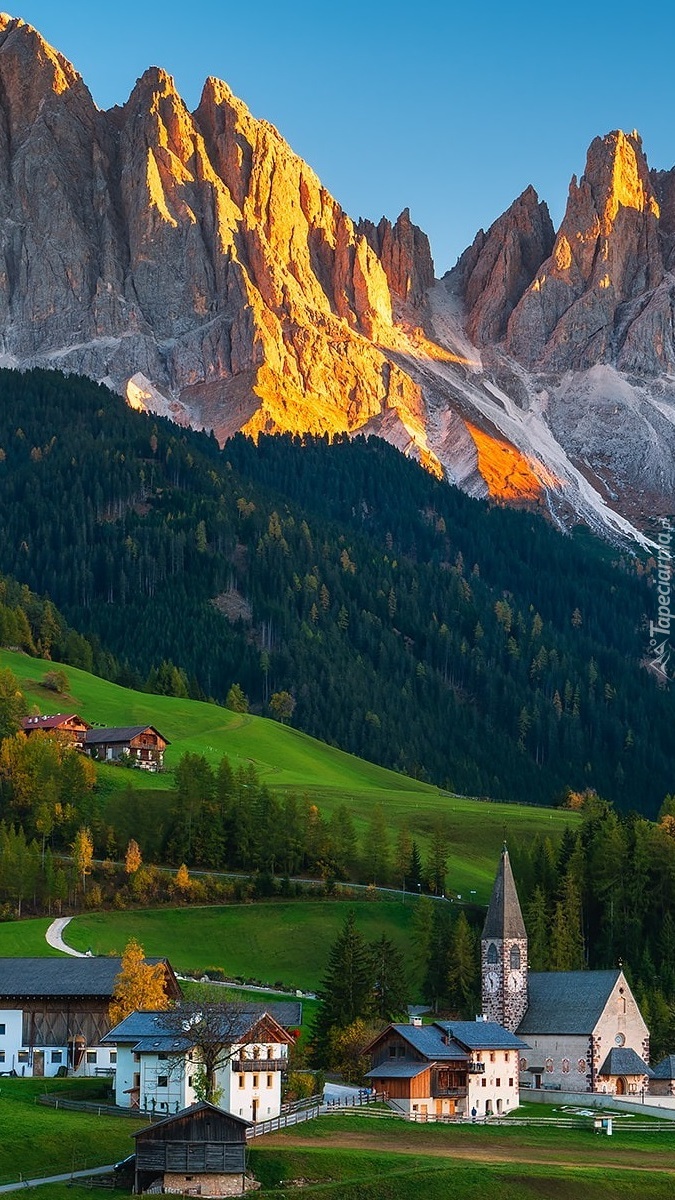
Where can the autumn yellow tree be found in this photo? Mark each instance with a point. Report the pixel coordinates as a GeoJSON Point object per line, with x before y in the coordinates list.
{"type": "Point", "coordinates": [132, 858]}
{"type": "Point", "coordinates": [139, 985]}
{"type": "Point", "coordinates": [83, 854]}
{"type": "Point", "coordinates": [182, 881]}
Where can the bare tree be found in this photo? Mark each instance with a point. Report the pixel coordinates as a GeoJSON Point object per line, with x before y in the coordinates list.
{"type": "Point", "coordinates": [215, 1034]}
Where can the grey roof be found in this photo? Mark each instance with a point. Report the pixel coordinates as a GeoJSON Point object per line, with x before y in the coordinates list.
{"type": "Point", "coordinates": [624, 1061]}
{"type": "Point", "coordinates": [428, 1040]}
{"type": "Point", "coordinates": [122, 734]}
{"type": "Point", "coordinates": [397, 1070]}
{"type": "Point", "coordinates": [177, 1118]}
{"type": "Point", "coordinates": [566, 1001]}
{"type": "Point", "coordinates": [504, 918]}
{"type": "Point", "coordinates": [60, 976]}
{"type": "Point", "coordinates": [162, 1032]}
{"type": "Point", "coordinates": [665, 1069]}
{"type": "Point", "coordinates": [481, 1035]}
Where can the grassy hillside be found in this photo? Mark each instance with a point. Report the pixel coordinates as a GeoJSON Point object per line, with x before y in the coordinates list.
{"type": "Point", "coordinates": [289, 760]}
{"type": "Point", "coordinates": [273, 942]}
{"type": "Point", "coordinates": [39, 1141]}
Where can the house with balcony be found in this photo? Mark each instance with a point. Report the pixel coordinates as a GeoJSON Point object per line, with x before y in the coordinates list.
{"type": "Point", "coordinates": [142, 745]}
{"type": "Point", "coordinates": [159, 1063]}
{"type": "Point", "coordinates": [448, 1069]}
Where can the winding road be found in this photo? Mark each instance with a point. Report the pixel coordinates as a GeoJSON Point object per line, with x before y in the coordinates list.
{"type": "Point", "coordinates": [54, 938]}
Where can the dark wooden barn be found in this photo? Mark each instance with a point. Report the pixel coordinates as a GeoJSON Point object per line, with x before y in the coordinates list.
{"type": "Point", "coordinates": [201, 1151]}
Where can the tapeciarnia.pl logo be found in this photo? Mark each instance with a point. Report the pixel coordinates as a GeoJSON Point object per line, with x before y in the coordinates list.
{"type": "Point", "coordinates": [659, 630]}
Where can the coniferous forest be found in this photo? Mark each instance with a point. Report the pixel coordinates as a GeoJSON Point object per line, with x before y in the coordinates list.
{"type": "Point", "coordinates": [463, 643]}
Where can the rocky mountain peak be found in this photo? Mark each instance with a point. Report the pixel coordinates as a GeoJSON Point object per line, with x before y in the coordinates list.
{"type": "Point", "coordinates": [606, 255]}
{"type": "Point", "coordinates": [405, 253]}
{"type": "Point", "coordinates": [492, 275]}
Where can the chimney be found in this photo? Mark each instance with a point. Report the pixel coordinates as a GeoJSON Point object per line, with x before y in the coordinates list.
{"type": "Point", "coordinates": [416, 1021]}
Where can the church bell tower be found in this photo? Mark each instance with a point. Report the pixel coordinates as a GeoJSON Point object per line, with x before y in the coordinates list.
{"type": "Point", "coordinates": [504, 953]}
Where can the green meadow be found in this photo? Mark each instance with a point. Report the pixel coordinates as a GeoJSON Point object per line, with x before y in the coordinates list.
{"type": "Point", "coordinates": [37, 1141]}
{"type": "Point", "coordinates": [289, 760]}
{"type": "Point", "coordinates": [275, 942]}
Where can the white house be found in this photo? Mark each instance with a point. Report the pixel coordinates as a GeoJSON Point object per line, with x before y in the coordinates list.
{"type": "Point", "coordinates": [448, 1069]}
{"type": "Point", "coordinates": [159, 1062]}
{"type": "Point", "coordinates": [54, 1014]}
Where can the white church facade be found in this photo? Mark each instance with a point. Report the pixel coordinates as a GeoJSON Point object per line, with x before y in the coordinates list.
{"type": "Point", "coordinates": [583, 1030]}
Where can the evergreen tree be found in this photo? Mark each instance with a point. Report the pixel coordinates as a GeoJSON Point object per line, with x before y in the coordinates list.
{"type": "Point", "coordinates": [390, 989]}
{"type": "Point", "coordinates": [346, 991]}
{"type": "Point", "coordinates": [538, 937]}
{"type": "Point", "coordinates": [463, 974]}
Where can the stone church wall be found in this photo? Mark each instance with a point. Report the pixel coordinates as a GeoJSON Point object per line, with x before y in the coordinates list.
{"type": "Point", "coordinates": [566, 1061]}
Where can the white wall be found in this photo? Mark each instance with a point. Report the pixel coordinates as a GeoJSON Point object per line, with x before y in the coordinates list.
{"type": "Point", "coordinates": [19, 1058]}
{"type": "Point", "coordinates": [497, 1090]}
{"type": "Point", "coordinates": [263, 1086]}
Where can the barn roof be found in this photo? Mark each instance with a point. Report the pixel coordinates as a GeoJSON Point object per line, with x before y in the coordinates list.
{"type": "Point", "coordinates": [87, 976]}
{"type": "Point", "coordinates": [202, 1107]}
{"type": "Point", "coordinates": [624, 1061]}
{"type": "Point", "coordinates": [566, 1002]}
{"type": "Point", "coordinates": [123, 733]}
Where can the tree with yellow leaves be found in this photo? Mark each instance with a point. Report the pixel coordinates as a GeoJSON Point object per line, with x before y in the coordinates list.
{"type": "Point", "coordinates": [132, 858]}
{"type": "Point", "coordinates": [83, 854]}
{"type": "Point", "coordinates": [139, 986]}
{"type": "Point", "coordinates": [182, 881]}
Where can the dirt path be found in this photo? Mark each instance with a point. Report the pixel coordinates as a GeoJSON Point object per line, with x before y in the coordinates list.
{"type": "Point", "coordinates": [617, 1159]}
{"type": "Point", "coordinates": [54, 938]}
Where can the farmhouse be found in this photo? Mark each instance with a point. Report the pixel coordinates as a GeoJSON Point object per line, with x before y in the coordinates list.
{"type": "Point", "coordinates": [450, 1068]}
{"type": "Point", "coordinates": [54, 1014]}
{"type": "Point", "coordinates": [199, 1151]}
{"type": "Point", "coordinates": [69, 724]}
{"type": "Point", "coordinates": [584, 1030]}
{"type": "Point", "coordinates": [159, 1063]}
{"type": "Point", "coordinates": [143, 744]}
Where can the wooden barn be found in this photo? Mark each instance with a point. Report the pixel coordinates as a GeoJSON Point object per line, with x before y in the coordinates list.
{"type": "Point", "coordinates": [201, 1151]}
{"type": "Point", "coordinates": [54, 1013]}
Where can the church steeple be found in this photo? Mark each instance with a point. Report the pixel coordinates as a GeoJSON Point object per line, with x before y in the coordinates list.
{"type": "Point", "coordinates": [504, 952]}
{"type": "Point", "coordinates": [504, 918]}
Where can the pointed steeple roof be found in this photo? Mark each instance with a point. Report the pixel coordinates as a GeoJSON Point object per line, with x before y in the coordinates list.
{"type": "Point", "coordinates": [504, 918]}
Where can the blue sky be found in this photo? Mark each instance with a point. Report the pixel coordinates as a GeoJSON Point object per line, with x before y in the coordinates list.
{"type": "Point", "coordinates": [450, 110]}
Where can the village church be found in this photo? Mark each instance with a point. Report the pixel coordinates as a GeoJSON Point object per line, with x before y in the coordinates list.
{"type": "Point", "coordinates": [583, 1029]}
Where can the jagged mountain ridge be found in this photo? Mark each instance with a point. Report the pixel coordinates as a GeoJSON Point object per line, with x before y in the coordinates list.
{"type": "Point", "coordinates": [197, 265]}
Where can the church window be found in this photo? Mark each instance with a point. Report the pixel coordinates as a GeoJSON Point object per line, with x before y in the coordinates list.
{"type": "Point", "coordinates": [492, 955]}
{"type": "Point", "coordinates": [549, 1065]}
{"type": "Point", "coordinates": [566, 1066]}
{"type": "Point", "coordinates": [523, 1064]}
{"type": "Point", "coordinates": [515, 958]}
{"type": "Point", "coordinates": [581, 1066]}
